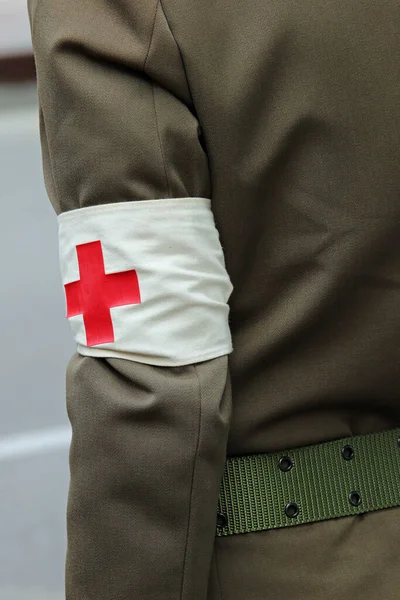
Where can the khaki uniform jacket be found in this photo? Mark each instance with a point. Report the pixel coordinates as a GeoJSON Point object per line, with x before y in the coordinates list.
{"type": "Point", "coordinates": [286, 116]}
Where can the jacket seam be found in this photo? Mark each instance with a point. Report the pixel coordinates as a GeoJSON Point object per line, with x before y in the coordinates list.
{"type": "Point", "coordinates": [179, 50]}
{"type": "Point", "coordinates": [217, 572]}
{"type": "Point", "coordinates": [151, 37]}
{"type": "Point", "coordinates": [192, 482]}
{"type": "Point", "coordinates": [154, 101]}
{"type": "Point", "coordinates": [192, 107]}
{"type": "Point", "coordinates": [159, 140]}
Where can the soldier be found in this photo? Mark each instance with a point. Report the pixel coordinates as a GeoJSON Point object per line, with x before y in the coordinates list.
{"type": "Point", "coordinates": [226, 179]}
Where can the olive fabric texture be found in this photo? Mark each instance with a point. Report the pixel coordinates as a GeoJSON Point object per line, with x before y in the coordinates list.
{"type": "Point", "coordinates": [286, 116]}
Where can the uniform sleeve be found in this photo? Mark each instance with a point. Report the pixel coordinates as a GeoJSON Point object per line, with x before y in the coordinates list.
{"type": "Point", "coordinates": [146, 289]}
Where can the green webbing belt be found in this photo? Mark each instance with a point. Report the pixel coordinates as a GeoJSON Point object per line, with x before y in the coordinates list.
{"type": "Point", "coordinates": [344, 477]}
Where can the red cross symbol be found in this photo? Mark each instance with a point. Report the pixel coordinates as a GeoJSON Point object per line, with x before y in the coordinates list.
{"type": "Point", "coordinates": [95, 293]}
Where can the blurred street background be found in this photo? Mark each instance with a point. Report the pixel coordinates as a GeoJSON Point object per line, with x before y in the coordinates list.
{"type": "Point", "coordinates": [36, 343]}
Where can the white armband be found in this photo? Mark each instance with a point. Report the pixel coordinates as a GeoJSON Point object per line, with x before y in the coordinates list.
{"type": "Point", "coordinates": [146, 281]}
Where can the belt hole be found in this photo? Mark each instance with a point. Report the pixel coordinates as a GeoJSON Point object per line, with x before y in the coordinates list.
{"type": "Point", "coordinates": [292, 510]}
{"type": "Point", "coordinates": [285, 463]}
{"type": "Point", "coordinates": [348, 452]}
{"type": "Point", "coordinates": [222, 520]}
{"type": "Point", "coordinates": [355, 498]}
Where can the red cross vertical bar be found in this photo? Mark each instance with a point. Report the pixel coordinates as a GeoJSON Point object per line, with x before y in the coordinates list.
{"type": "Point", "coordinates": [96, 292]}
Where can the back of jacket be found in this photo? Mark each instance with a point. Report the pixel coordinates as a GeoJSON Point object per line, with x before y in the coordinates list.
{"type": "Point", "coordinates": [271, 128]}
{"type": "Point", "coordinates": [299, 105]}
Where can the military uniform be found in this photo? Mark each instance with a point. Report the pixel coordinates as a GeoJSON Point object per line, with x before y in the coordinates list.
{"type": "Point", "coordinates": [226, 179]}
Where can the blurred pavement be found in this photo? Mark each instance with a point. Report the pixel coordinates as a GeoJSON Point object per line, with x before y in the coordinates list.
{"type": "Point", "coordinates": [14, 27]}
{"type": "Point", "coordinates": [35, 349]}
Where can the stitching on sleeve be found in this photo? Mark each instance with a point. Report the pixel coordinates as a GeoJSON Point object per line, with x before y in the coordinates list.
{"type": "Point", "coordinates": [179, 50]}
{"type": "Point", "coordinates": [192, 482]}
{"type": "Point", "coordinates": [154, 100]}
{"type": "Point", "coordinates": [151, 36]}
